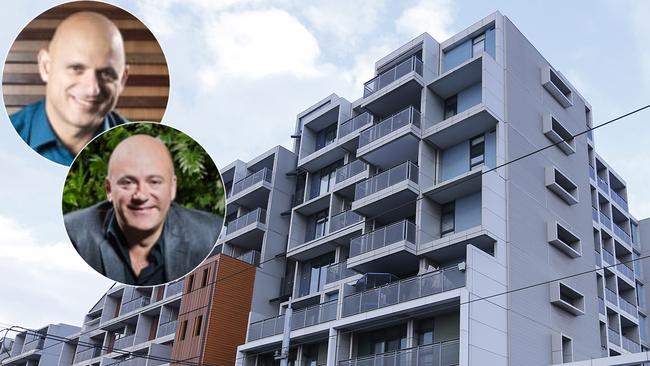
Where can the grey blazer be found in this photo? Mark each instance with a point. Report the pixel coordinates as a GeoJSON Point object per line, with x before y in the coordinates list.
{"type": "Point", "coordinates": [189, 237]}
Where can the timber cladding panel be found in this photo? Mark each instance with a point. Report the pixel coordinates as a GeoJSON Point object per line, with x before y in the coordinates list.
{"type": "Point", "coordinates": [147, 90]}
{"type": "Point", "coordinates": [220, 303]}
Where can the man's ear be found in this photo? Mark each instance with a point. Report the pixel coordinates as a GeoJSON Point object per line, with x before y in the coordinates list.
{"type": "Point", "coordinates": [107, 187]}
{"type": "Point", "coordinates": [173, 187]}
{"type": "Point", "coordinates": [44, 64]}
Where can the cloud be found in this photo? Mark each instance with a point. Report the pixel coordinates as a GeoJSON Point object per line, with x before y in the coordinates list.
{"type": "Point", "coordinates": [258, 44]}
{"type": "Point", "coordinates": [431, 16]}
{"type": "Point", "coordinates": [35, 274]}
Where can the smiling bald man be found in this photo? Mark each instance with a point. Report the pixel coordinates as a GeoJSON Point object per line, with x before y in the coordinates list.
{"type": "Point", "coordinates": [139, 236]}
{"type": "Point", "coordinates": [85, 71]}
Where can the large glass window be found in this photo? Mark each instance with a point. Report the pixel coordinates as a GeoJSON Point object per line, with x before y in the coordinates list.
{"type": "Point", "coordinates": [326, 137]}
{"type": "Point", "coordinates": [478, 45]}
{"type": "Point", "coordinates": [447, 224]}
{"type": "Point", "coordinates": [451, 105]}
{"type": "Point", "coordinates": [477, 151]}
{"type": "Point", "coordinates": [313, 274]}
{"type": "Point", "coordinates": [384, 340]}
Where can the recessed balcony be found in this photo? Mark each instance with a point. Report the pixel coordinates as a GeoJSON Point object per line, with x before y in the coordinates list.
{"type": "Point", "coordinates": [435, 354]}
{"type": "Point", "coordinates": [393, 140]}
{"type": "Point", "coordinates": [396, 188]}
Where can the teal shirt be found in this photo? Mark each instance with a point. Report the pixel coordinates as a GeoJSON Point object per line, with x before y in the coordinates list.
{"type": "Point", "coordinates": [34, 128]}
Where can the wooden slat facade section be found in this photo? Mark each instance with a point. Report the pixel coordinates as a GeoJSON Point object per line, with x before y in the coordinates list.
{"type": "Point", "coordinates": [147, 90]}
{"type": "Point", "coordinates": [223, 304]}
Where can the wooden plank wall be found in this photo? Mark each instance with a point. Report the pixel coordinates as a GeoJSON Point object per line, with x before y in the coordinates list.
{"type": "Point", "coordinates": [224, 305]}
{"type": "Point", "coordinates": [145, 96]}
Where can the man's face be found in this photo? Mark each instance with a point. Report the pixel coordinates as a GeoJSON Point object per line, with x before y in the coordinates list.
{"type": "Point", "coordinates": [85, 74]}
{"type": "Point", "coordinates": [141, 186]}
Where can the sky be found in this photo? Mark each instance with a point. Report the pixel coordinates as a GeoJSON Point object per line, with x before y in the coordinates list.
{"type": "Point", "coordinates": [240, 72]}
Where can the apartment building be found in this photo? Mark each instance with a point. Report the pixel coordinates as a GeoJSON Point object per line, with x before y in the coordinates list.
{"type": "Point", "coordinates": [410, 242]}
{"type": "Point", "coordinates": [34, 348]}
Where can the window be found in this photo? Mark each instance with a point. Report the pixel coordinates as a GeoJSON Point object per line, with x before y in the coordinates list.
{"type": "Point", "coordinates": [478, 45]}
{"type": "Point", "coordinates": [321, 227]}
{"type": "Point", "coordinates": [313, 274]}
{"type": "Point", "coordinates": [566, 349]}
{"type": "Point", "coordinates": [326, 137]}
{"type": "Point", "coordinates": [639, 295]}
{"type": "Point", "coordinates": [476, 151]}
{"type": "Point", "coordinates": [206, 273]}
{"type": "Point", "coordinates": [190, 282]}
{"type": "Point", "coordinates": [197, 325]}
{"type": "Point", "coordinates": [447, 223]}
{"type": "Point", "coordinates": [451, 106]}
{"type": "Point", "coordinates": [183, 329]}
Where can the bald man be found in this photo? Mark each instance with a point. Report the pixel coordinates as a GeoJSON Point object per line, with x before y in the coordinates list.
{"type": "Point", "coordinates": [138, 236]}
{"type": "Point", "coordinates": [85, 71]}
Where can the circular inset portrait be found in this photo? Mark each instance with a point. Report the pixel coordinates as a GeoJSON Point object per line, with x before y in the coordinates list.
{"type": "Point", "coordinates": [79, 69]}
{"type": "Point", "coordinates": [143, 204]}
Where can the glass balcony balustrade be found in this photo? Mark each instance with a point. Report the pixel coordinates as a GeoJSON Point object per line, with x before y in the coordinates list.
{"type": "Point", "coordinates": [337, 272]}
{"type": "Point", "coordinates": [257, 215]}
{"type": "Point", "coordinates": [343, 220]}
{"type": "Point", "coordinates": [436, 354]}
{"type": "Point", "coordinates": [387, 235]}
{"type": "Point", "coordinates": [350, 170]}
{"type": "Point", "coordinates": [354, 123]}
{"type": "Point", "coordinates": [403, 118]}
{"type": "Point", "coordinates": [250, 180]}
{"type": "Point", "coordinates": [391, 177]}
{"type": "Point", "coordinates": [387, 77]}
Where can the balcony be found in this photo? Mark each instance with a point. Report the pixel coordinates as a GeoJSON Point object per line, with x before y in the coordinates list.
{"type": "Point", "coordinates": [618, 199]}
{"type": "Point", "coordinates": [389, 76]}
{"type": "Point", "coordinates": [248, 190]}
{"type": "Point", "coordinates": [404, 290]}
{"type": "Point", "coordinates": [343, 220]}
{"type": "Point", "coordinates": [34, 344]}
{"type": "Point", "coordinates": [608, 258]}
{"type": "Point", "coordinates": [251, 257]}
{"type": "Point", "coordinates": [605, 220]}
{"type": "Point", "coordinates": [166, 328]}
{"type": "Point", "coordinates": [391, 141]}
{"type": "Point", "coordinates": [133, 304]}
{"type": "Point", "coordinates": [611, 296]}
{"type": "Point", "coordinates": [124, 342]}
{"type": "Point", "coordinates": [391, 188]}
{"type": "Point", "coordinates": [436, 354]}
{"type": "Point", "coordinates": [598, 258]}
{"type": "Point", "coordinates": [354, 124]}
{"type": "Point", "coordinates": [592, 173]}
{"type": "Point", "coordinates": [397, 244]}
{"type": "Point", "coordinates": [613, 337]}
{"type": "Point", "coordinates": [303, 318]}
{"type": "Point", "coordinates": [602, 184]}
{"type": "Point", "coordinates": [337, 272]}
{"type": "Point", "coordinates": [247, 231]}
{"type": "Point", "coordinates": [594, 214]}
{"type": "Point", "coordinates": [630, 345]}
{"type": "Point", "coordinates": [625, 271]}
{"type": "Point", "coordinates": [266, 328]}
{"type": "Point", "coordinates": [87, 353]}
{"type": "Point", "coordinates": [349, 174]}
{"type": "Point", "coordinates": [175, 288]}
{"type": "Point", "coordinates": [628, 307]}
{"type": "Point", "coordinates": [622, 234]}
{"type": "Point", "coordinates": [601, 305]}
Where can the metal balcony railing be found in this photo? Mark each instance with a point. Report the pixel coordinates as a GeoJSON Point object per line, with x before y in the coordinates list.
{"type": "Point", "coordinates": [124, 342]}
{"type": "Point", "coordinates": [611, 296]}
{"type": "Point", "coordinates": [625, 271]}
{"type": "Point", "coordinates": [257, 215]}
{"type": "Point", "coordinates": [381, 181]}
{"type": "Point", "coordinates": [605, 220]}
{"type": "Point", "coordinates": [354, 124]}
{"type": "Point", "coordinates": [598, 258]}
{"type": "Point", "coordinates": [403, 118]}
{"type": "Point", "coordinates": [87, 353]}
{"type": "Point", "coordinates": [608, 258]}
{"type": "Point", "coordinates": [403, 291]}
{"type": "Point", "coordinates": [387, 235]}
{"type": "Point", "coordinates": [613, 337]}
{"type": "Point", "coordinates": [133, 304]}
{"type": "Point", "coordinates": [350, 170]}
{"type": "Point", "coordinates": [174, 288]}
{"type": "Point", "coordinates": [344, 219]}
{"type": "Point", "coordinates": [622, 234]}
{"type": "Point", "coordinates": [35, 343]}
{"type": "Point", "coordinates": [618, 199]}
{"type": "Point", "coordinates": [303, 318]}
{"type": "Point", "coordinates": [387, 77]}
{"type": "Point", "coordinates": [601, 305]}
{"type": "Point", "coordinates": [338, 271]}
{"type": "Point", "coordinates": [436, 354]}
{"type": "Point", "coordinates": [251, 257]}
{"type": "Point", "coordinates": [602, 184]}
{"type": "Point", "coordinates": [628, 307]}
{"type": "Point", "coordinates": [167, 328]}
{"type": "Point", "coordinates": [251, 179]}
{"type": "Point", "coordinates": [630, 345]}
{"type": "Point", "coordinates": [592, 172]}
{"type": "Point", "coordinates": [266, 328]}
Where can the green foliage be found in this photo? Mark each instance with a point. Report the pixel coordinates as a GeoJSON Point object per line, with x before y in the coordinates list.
{"type": "Point", "coordinates": [199, 185]}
